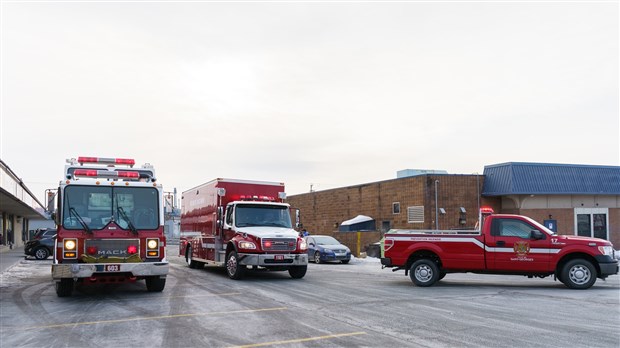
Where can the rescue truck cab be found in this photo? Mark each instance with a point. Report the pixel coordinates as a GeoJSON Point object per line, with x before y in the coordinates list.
{"type": "Point", "coordinates": [109, 217]}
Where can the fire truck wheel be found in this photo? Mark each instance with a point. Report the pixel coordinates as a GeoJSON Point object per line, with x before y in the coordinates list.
{"type": "Point", "coordinates": [155, 284]}
{"type": "Point", "coordinates": [233, 268]}
{"type": "Point", "coordinates": [297, 272]}
{"type": "Point", "coordinates": [190, 262]}
{"type": "Point", "coordinates": [578, 274]}
{"type": "Point", "coordinates": [424, 272]}
{"type": "Point", "coordinates": [64, 287]}
{"type": "Point", "coordinates": [41, 253]}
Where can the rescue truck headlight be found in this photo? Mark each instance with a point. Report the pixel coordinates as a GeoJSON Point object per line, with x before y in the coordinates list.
{"type": "Point", "coordinates": [69, 249]}
{"type": "Point", "coordinates": [303, 245]}
{"type": "Point", "coordinates": [606, 250]}
{"type": "Point", "coordinates": [152, 247]}
{"type": "Point", "coordinates": [247, 245]}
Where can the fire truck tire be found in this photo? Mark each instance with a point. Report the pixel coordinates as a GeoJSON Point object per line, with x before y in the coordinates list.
{"type": "Point", "coordinates": [155, 284]}
{"type": "Point", "coordinates": [424, 272]}
{"type": "Point", "coordinates": [297, 272]}
{"type": "Point", "coordinates": [578, 274]}
{"type": "Point", "coordinates": [64, 287]}
{"type": "Point", "coordinates": [233, 268]}
{"type": "Point", "coordinates": [190, 262]}
{"type": "Point", "coordinates": [41, 253]}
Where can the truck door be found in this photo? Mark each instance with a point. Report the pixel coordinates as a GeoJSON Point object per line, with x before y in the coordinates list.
{"type": "Point", "coordinates": [516, 245]}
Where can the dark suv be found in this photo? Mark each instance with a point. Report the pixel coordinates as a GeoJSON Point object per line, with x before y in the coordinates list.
{"type": "Point", "coordinates": [42, 246]}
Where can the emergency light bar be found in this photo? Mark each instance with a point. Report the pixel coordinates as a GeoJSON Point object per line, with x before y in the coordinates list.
{"type": "Point", "coordinates": [486, 210]}
{"type": "Point", "coordinates": [103, 160]}
{"type": "Point", "coordinates": [106, 173]}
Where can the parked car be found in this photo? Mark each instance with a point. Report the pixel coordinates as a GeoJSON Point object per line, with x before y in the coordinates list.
{"type": "Point", "coordinates": [327, 248]}
{"type": "Point", "coordinates": [42, 245]}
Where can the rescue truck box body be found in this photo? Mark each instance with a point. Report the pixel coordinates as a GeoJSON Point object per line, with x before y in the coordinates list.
{"type": "Point", "coordinates": [110, 225]}
{"type": "Point", "coordinates": [240, 224]}
{"type": "Point", "coordinates": [506, 244]}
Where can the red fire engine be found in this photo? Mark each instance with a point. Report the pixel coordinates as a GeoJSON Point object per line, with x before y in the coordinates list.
{"type": "Point", "coordinates": [109, 217]}
{"type": "Point", "coordinates": [241, 224]}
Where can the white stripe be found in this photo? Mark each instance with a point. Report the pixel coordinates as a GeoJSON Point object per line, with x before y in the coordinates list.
{"type": "Point", "coordinates": [475, 241]}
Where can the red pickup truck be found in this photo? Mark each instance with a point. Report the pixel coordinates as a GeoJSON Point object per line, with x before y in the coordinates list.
{"type": "Point", "coordinates": [506, 244]}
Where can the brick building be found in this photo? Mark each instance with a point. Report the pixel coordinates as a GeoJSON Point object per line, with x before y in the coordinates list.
{"type": "Point", "coordinates": [573, 199]}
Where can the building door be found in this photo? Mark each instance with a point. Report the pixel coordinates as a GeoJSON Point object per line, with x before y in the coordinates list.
{"type": "Point", "coordinates": [592, 222]}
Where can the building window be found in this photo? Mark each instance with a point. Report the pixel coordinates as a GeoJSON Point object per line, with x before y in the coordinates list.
{"type": "Point", "coordinates": [396, 208]}
{"type": "Point", "coordinates": [415, 214]}
{"type": "Point", "coordinates": [592, 222]}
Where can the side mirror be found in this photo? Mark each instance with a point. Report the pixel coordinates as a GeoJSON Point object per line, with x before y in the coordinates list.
{"type": "Point", "coordinates": [536, 234]}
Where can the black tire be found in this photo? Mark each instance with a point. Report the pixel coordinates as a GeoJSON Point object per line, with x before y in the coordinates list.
{"type": "Point", "coordinates": [317, 257]}
{"type": "Point", "coordinates": [579, 274]}
{"type": "Point", "coordinates": [345, 261]}
{"type": "Point", "coordinates": [441, 275]}
{"type": "Point", "coordinates": [64, 287]}
{"type": "Point", "coordinates": [424, 272]}
{"type": "Point", "coordinates": [190, 262]}
{"type": "Point", "coordinates": [297, 272]}
{"type": "Point", "coordinates": [155, 284]}
{"type": "Point", "coordinates": [233, 268]}
{"type": "Point", "coordinates": [41, 253]}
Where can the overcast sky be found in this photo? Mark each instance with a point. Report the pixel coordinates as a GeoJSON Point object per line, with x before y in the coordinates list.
{"type": "Point", "coordinates": [322, 93]}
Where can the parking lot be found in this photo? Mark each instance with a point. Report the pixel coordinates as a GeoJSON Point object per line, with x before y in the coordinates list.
{"type": "Point", "coordinates": [334, 305]}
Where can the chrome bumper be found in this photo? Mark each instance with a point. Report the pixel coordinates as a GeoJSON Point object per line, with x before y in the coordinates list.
{"type": "Point", "coordinates": [271, 260]}
{"type": "Point", "coordinates": [85, 270]}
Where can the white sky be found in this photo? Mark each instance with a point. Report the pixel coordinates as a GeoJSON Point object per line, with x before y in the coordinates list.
{"type": "Point", "coordinates": [330, 94]}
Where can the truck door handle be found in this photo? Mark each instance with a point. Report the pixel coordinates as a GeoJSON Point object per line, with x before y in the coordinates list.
{"type": "Point", "coordinates": [501, 243]}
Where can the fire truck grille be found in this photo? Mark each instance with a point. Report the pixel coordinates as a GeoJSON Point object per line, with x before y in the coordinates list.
{"type": "Point", "coordinates": [111, 247]}
{"type": "Point", "coordinates": [279, 244]}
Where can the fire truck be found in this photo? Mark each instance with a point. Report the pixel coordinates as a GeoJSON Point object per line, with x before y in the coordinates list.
{"type": "Point", "coordinates": [109, 217]}
{"type": "Point", "coordinates": [504, 244]}
{"type": "Point", "coordinates": [241, 225]}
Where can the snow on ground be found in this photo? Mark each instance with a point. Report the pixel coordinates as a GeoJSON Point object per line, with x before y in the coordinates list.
{"type": "Point", "coordinates": [24, 271]}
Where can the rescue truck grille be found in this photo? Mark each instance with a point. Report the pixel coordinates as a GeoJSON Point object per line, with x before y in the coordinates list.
{"type": "Point", "coordinates": [279, 244]}
{"type": "Point", "coordinates": [112, 247]}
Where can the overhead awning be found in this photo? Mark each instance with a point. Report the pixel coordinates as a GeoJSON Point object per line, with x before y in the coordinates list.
{"type": "Point", "coordinates": [358, 223]}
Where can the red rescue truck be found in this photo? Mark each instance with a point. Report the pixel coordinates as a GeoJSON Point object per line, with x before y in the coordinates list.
{"type": "Point", "coordinates": [241, 225]}
{"type": "Point", "coordinates": [110, 219]}
{"type": "Point", "coordinates": [506, 244]}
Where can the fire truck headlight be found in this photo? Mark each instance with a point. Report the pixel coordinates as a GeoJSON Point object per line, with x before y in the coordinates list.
{"type": "Point", "coordinates": [247, 245]}
{"type": "Point", "coordinates": [303, 245]}
{"type": "Point", "coordinates": [70, 244]}
{"type": "Point", "coordinates": [152, 244]}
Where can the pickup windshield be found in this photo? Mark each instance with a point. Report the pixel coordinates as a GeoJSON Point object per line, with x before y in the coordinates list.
{"type": "Point", "coordinates": [247, 215]}
{"type": "Point", "coordinates": [96, 206]}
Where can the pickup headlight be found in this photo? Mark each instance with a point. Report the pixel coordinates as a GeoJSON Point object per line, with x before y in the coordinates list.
{"type": "Point", "coordinates": [247, 245]}
{"type": "Point", "coordinates": [607, 250]}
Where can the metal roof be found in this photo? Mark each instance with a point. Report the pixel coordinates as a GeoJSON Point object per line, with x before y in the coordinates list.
{"type": "Point", "coordinates": [547, 178]}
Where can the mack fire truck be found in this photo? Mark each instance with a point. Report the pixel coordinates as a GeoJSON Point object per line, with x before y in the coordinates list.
{"type": "Point", "coordinates": [109, 217]}
{"type": "Point", "coordinates": [241, 225]}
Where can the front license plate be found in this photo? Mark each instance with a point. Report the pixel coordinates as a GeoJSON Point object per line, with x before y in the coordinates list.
{"type": "Point", "coordinates": [279, 257]}
{"type": "Point", "coordinates": [112, 268]}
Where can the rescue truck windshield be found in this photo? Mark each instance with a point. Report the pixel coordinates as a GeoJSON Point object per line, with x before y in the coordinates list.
{"type": "Point", "coordinates": [250, 215]}
{"type": "Point", "coordinates": [94, 207]}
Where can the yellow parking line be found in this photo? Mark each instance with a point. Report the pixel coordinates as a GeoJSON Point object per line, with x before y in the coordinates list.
{"type": "Point", "coordinates": [115, 321]}
{"type": "Point", "coordinates": [299, 340]}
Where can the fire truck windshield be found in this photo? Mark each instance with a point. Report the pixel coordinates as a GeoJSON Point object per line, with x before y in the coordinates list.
{"type": "Point", "coordinates": [247, 215]}
{"type": "Point", "coordinates": [129, 207]}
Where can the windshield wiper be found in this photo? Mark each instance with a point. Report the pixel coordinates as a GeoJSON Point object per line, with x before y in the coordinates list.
{"type": "Point", "coordinates": [122, 213]}
{"type": "Point", "coordinates": [80, 220]}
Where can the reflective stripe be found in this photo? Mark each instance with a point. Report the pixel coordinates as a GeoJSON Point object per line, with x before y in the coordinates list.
{"type": "Point", "coordinates": [474, 241]}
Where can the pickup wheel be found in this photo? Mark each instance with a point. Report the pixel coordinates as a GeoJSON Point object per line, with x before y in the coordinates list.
{"type": "Point", "coordinates": [578, 274]}
{"type": "Point", "coordinates": [424, 272]}
{"type": "Point", "coordinates": [233, 268]}
{"type": "Point", "coordinates": [41, 253]}
{"type": "Point", "coordinates": [64, 287]}
{"type": "Point", "coordinates": [297, 272]}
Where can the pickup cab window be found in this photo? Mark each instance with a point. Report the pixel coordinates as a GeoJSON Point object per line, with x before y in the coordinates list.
{"type": "Point", "coordinates": [512, 228]}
